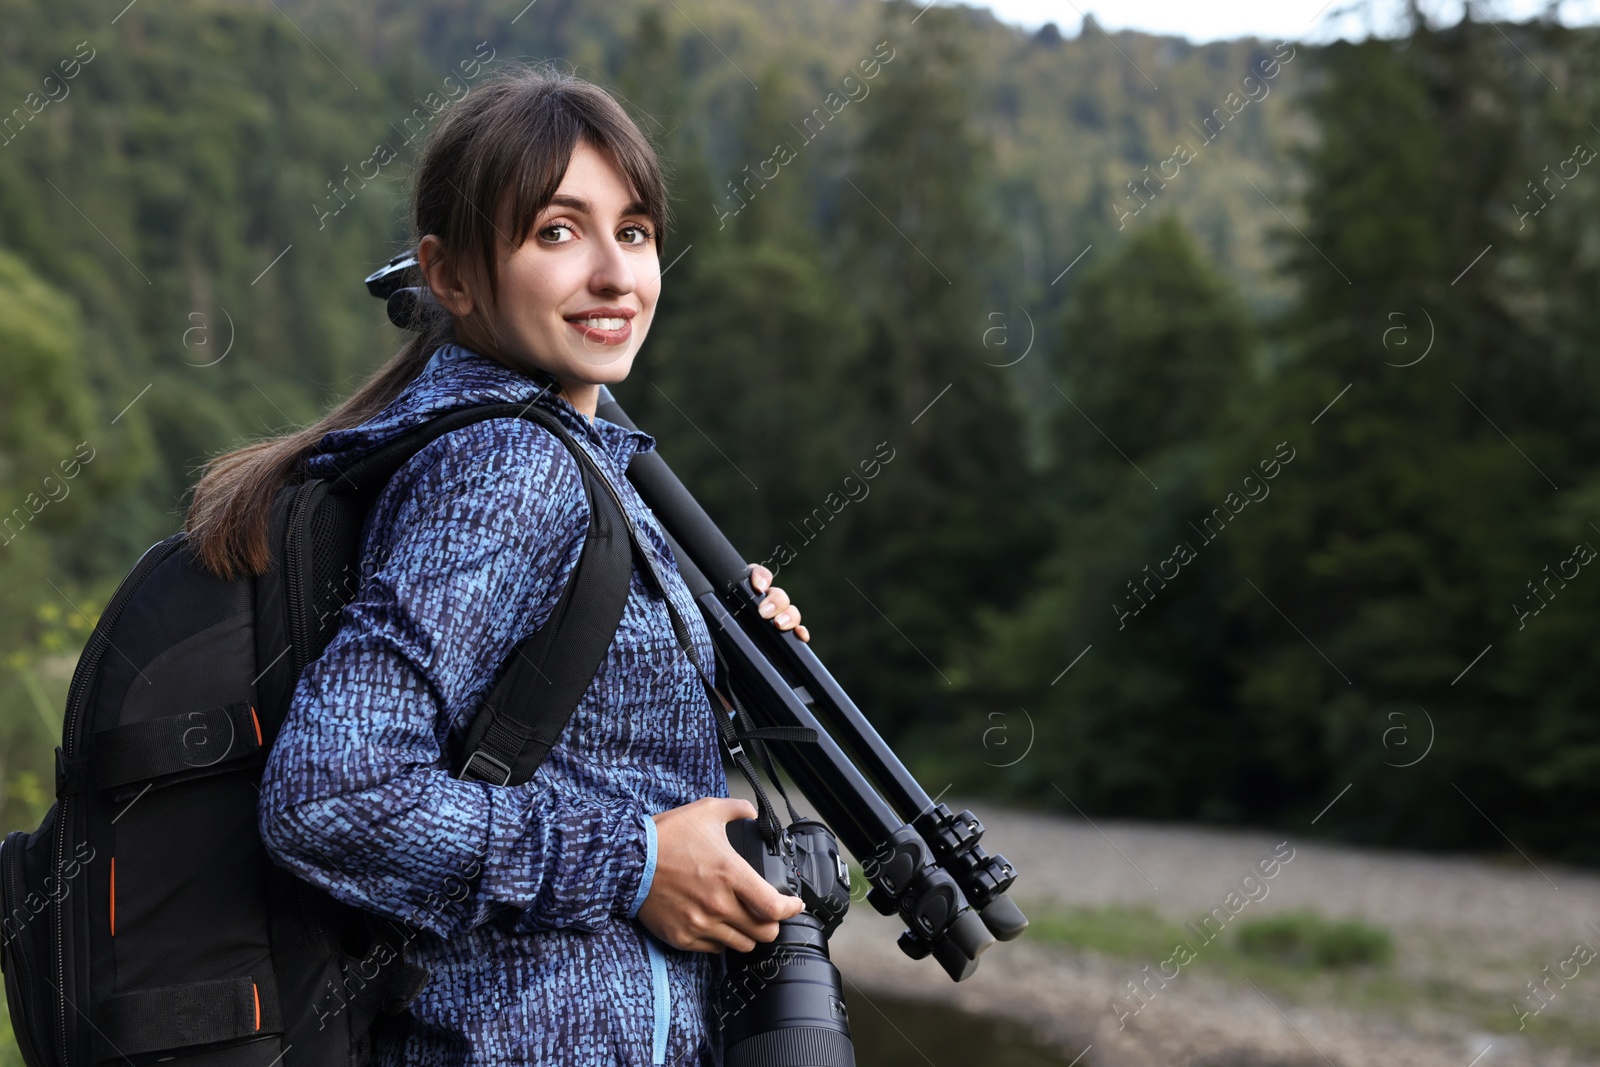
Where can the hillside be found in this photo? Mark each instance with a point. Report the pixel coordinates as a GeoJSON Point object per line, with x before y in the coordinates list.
{"type": "Point", "coordinates": [1133, 274]}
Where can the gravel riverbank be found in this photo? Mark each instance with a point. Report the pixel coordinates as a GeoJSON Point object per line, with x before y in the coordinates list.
{"type": "Point", "coordinates": [1470, 934]}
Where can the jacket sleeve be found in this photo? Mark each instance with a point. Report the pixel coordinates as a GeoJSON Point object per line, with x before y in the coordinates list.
{"type": "Point", "coordinates": [357, 796]}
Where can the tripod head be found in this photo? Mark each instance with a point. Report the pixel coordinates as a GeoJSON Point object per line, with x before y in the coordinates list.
{"type": "Point", "coordinates": [399, 283]}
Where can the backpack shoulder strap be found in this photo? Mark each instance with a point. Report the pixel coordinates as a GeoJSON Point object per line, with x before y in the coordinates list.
{"type": "Point", "coordinates": [369, 474]}
{"type": "Point", "coordinates": [547, 674]}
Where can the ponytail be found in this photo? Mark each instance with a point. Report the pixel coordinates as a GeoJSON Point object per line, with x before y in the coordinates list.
{"type": "Point", "coordinates": [232, 504]}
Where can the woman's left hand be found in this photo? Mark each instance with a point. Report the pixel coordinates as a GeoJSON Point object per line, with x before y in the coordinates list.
{"type": "Point", "coordinates": [775, 605]}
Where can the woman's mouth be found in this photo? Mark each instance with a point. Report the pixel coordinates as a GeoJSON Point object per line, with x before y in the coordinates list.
{"type": "Point", "coordinates": [606, 326]}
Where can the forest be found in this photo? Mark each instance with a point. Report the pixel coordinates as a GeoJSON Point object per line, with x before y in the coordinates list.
{"type": "Point", "coordinates": [1228, 410]}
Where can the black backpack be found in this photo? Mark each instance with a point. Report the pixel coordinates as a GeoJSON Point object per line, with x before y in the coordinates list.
{"type": "Point", "coordinates": [199, 951]}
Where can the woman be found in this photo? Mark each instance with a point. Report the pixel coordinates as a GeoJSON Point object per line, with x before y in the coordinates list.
{"type": "Point", "coordinates": [594, 899]}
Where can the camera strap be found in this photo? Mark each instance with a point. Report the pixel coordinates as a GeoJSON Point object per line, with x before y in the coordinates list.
{"type": "Point", "coordinates": [749, 732]}
{"type": "Point", "coordinates": [733, 738]}
{"type": "Point", "coordinates": [771, 828]}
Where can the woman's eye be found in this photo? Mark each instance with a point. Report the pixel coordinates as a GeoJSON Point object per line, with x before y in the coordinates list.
{"type": "Point", "coordinates": [554, 226]}
{"type": "Point", "coordinates": [643, 236]}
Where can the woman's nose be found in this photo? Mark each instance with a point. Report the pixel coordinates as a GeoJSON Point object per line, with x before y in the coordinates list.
{"type": "Point", "coordinates": [612, 271]}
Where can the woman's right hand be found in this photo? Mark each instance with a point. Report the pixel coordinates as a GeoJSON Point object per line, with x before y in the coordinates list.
{"type": "Point", "coordinates": [705, 897]}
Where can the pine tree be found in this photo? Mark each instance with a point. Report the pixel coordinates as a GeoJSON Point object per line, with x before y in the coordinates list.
{"type": "Point", "coordinates": [1154, 366]}
{"type": "Point", "coordinates": [740, 377]}
{"type": "Point", "coordinates": [1424, 498]}
{"type": "Point", "coordinates": [953, 523]}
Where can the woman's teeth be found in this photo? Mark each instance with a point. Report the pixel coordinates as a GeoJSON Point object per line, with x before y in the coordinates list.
{"type": "Point", "coordinates": [605, 324]}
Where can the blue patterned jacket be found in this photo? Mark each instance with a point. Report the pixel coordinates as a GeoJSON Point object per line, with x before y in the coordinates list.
{"type": "Point", "coordinates": [522, 900]}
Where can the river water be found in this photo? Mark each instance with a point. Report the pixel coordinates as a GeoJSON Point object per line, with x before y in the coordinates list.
{"type": "Point", "coordinates": [889, 1032]}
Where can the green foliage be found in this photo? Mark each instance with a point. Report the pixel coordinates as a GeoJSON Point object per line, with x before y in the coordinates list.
{"type": "Point", "coordinates": [1131, 932]}
{"type": "Point", "coordinates": [1156, 346]}
{"type": "Point", "coordinates": [1154, 366]}
{"type": "Point", "coordinates": [34, 677]}
{"type": "Point", "coordinates": [918, 237]}
{"type": "Point", "coordinates": [1298, 940]}
{"type": "Point", "coordinates": [1306, 939]}
{"type": "Point", "coordinates": [203, 139]}
{"type": "Point", "coordinates": [181, 200]}
{"type": "Point", "coordinates": [1320, 639]}
{"type": "Point", "coordinates": [1424, 502]}
{"type": "Point", "coordinates": [782, 363]}
{"type": "Point", "coordinates": [138, 212]}
{"type": "Point", "coordinates": [1307, 959]}
{"type": "Point", "coordinates": [194, 148]}
{"type": "Point", "coordinates": [10, 1054]}
{"type": "Point", "coordinates": [54, 463]}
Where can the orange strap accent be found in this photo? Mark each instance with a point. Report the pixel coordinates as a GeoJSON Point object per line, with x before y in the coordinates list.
{"type": "Point", "coordinates": [113, 896]}
{"type": "Point", "coordinates": [258, 734]}
{"type": "Point", "coordinates": [257, 995]}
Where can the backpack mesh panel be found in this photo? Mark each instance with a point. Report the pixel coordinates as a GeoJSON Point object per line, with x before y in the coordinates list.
{"type": "Point", "coordinates": [334, 546]}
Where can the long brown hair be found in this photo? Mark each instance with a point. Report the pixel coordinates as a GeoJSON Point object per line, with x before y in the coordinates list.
{"type": "Point", "coordinates": [500, 151]}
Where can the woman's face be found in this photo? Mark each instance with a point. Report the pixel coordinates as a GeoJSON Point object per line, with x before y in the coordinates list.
{"type": "Point", "coordinates": [577, 298]}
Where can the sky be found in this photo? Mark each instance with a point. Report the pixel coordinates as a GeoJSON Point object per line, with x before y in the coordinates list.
{"type": "Point", "coordinates": [1308, 20]}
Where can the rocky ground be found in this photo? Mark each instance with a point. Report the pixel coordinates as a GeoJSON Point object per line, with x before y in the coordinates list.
{"type": "Point", "coordinates": [1469, 934]}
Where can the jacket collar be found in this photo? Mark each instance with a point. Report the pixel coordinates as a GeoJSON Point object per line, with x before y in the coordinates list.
{"type": "Point", "coordinates": [454, 362]}
{"type": "Point", "coordinates": [455, 377]}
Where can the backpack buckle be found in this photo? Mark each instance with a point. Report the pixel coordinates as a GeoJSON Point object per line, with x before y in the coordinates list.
{"type": "Point", "coordinates": [495, 765]}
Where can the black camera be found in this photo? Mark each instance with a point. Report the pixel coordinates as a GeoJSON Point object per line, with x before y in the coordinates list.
{"type": "Point", "coordinates": [782, 1002]}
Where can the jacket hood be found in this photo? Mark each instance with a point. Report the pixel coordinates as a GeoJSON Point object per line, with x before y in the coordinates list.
{"type": "Point", "coordinates": [457, 377]}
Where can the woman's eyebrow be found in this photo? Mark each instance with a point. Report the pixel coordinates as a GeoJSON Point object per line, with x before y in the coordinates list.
{"type": "Point", "coordinates": [578, 203]}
